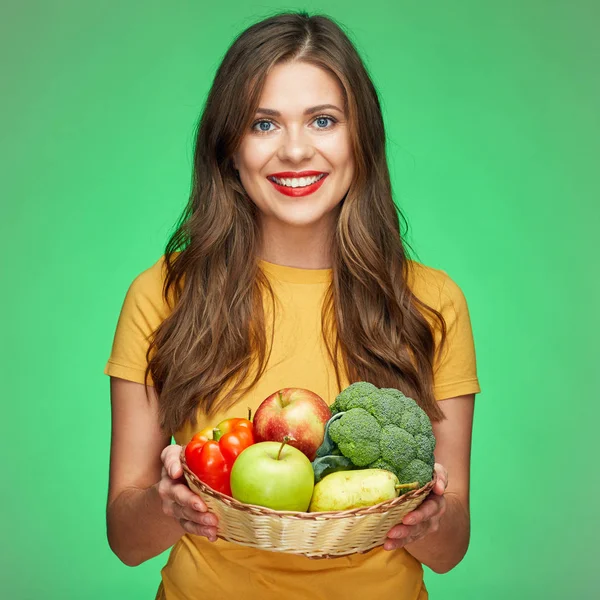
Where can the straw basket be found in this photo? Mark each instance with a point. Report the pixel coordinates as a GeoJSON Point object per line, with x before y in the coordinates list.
{"type": "Point", "coordinates": [315, 535]}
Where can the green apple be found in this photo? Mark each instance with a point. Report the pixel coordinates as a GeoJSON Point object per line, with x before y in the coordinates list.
{"type": "Point", "coordinates": [274, 475]}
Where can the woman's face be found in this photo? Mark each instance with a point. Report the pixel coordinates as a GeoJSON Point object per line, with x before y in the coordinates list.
{"type": "Point", "coordinates": [294, 134]}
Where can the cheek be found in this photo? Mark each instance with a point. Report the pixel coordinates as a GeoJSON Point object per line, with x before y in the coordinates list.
{"type": "Point", "coordinates": [254, 156]}
{"type": "Point", "coordinates": [338, 153]}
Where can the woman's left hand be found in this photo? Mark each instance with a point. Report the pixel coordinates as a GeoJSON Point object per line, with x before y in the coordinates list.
{"type": "Point", "coordinates": [424, 519]}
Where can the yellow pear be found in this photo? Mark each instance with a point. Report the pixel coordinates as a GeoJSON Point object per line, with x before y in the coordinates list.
{"type": "Point", "coordinates": [344, 490]}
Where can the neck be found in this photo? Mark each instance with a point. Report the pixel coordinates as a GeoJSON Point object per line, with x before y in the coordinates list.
{"type": "Point", "coordinates": [300, 247]}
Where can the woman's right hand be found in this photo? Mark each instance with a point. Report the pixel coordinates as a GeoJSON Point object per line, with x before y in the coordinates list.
{"type": "Point", "coordinates": [179, 502]}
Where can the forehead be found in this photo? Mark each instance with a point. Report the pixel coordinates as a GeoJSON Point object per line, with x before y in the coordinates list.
{"type": "Point", "coordinates": [292, 87]}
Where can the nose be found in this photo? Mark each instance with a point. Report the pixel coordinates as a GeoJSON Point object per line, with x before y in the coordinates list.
{"type": "Point", "coordinates": [296, 145]}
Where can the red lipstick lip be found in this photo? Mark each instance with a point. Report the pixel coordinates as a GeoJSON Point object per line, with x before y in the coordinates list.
{"type": "Point", "coordinates": [298, 191]}
{"type": "Point", "coordinates": [284, 174]}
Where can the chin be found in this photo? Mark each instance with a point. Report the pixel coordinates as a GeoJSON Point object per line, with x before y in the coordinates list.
{"type": "Point", "coordinates": [303, 216]}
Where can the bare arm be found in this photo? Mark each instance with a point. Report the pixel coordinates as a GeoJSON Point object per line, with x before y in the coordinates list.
{"type": "Point", "coordinates": [147, 512]}
{"type": "Point", "coordinates": [440, 536]}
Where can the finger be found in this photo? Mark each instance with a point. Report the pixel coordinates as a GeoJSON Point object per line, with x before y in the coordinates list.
{"type": "Point", "coordinates": [190, 527]}
{"type": "Point", "coordinates": [189, 514]}
{"type": "Point", "coordinates": [413, 538]}
{"type": "Point", "coordinates": [172, 463]}
{"type": "Point", "coordinates": [442, 479]}
{"type": "Point", "coordinates": [394, 544]}
{"type": "Point", "coordinates": [434, 508]}
{"type": "Point", "coordinates": [428, 508]}
{"type": "Point", "coordinates": [401, 535]}
{"type": "Point", "coordinates": [440, 485]}
{"type": "Point", "coordinates": [399, 532]}
{"type": "Point", "coordinates": [183, 496]}
{"type": "Point", "coordinates": [416, 516]}
{"type": "Point", "coordinates": [418, 532]}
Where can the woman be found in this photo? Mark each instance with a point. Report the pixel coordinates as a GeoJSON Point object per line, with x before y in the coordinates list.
{"type": "Point", "coordinates": [287, 270]}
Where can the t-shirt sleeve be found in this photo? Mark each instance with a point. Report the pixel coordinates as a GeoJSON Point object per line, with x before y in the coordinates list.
{"type": "Point", "coordinates": [141, 313]}
{"type": "Point", "coordinates": [455, 369]}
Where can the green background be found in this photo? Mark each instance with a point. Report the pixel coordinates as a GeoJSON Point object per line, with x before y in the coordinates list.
{"type": "Point", "coordinates": [492, 119]}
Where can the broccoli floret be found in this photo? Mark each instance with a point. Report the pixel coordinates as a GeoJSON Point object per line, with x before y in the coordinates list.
{"type": "Point", "coordinates": [357, 395]}
{"type": "Point", "coordinates": [411, 422]}
{"type": "Point", "coordinates": [400, 397]}
{"type": "Point", "coordinates": [357, 435]}
{"type": "Point", "coordinates": [425, 445]}
{"type": "Point", "coordinates": [426, 428]}
{"type": "Point", "coordinates": [387, 408]}
{"type": "Point", "coordinates": [381, 464]}
{"type": "Point", "coordinates": [416, 470]}
{"type": "Point", "coordinates": [382, 428]}
{"type": "Point", "coordinates": [397, 446]}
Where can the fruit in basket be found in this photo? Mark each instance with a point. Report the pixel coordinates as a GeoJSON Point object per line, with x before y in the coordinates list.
{"type": "Point", "coordinates": [345, 490]}
{"type": "Point", "coordinates": [273, 474]}
{"type": "Point", "coordinates": [382, 428]}
{"type": "Point", "coordinates": [294, 412]}
{"type": "Point", "coordinates": [210, 453]}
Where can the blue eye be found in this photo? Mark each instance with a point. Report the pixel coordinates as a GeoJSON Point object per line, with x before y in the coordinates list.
{"type": "Point", "coordinates": [267, 123]}
{"type": "Point", "coordinates": [321, 120]}
{"type": "Point", "coordinates": [261, 129]}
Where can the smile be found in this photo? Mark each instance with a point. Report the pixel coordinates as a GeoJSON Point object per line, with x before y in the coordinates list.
{"type": "Point", "coordinates": [298, 186]}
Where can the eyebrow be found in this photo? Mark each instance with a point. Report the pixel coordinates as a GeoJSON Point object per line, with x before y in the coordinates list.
{"type": "Point", "coordinates": [308, 111]}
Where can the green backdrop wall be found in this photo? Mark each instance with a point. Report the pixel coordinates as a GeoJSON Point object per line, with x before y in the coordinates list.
{"type": "Point", "coordinates": [491, 111]}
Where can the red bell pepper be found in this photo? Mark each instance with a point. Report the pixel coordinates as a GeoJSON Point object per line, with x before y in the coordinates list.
{"type": "Point", "coordinates": [210, 453]}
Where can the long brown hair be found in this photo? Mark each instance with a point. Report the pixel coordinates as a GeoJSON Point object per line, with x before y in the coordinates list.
{"type": "Point", "coordinates": [215, 333]}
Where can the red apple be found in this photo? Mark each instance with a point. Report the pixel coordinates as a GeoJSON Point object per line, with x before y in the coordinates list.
{"type": "Point", "coordinates": [295, 412]}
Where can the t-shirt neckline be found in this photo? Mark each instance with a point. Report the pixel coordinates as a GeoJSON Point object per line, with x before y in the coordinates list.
{"type": "Point", "coordinates": [295, 274]}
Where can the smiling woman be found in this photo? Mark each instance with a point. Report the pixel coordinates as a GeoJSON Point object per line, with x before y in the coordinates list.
{"type": "Point", "coordinates": [287, 269]}
{"type": "Point", "coordinates": [302, 153]}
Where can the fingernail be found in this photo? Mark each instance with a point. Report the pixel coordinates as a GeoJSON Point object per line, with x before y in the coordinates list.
{"type": "Point", "coordinates": [198, 506]}
{"type": "Point", "coordinates": [410, 521]}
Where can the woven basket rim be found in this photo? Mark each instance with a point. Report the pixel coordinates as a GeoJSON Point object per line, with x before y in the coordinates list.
{"type": "Point", "coordinates": [381, 507]}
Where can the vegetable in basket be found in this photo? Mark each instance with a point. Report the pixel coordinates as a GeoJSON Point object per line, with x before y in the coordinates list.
{"type": "Point", "coordinates": [379, 429]}
{"type": "Point", "coordinates": [210, 453]}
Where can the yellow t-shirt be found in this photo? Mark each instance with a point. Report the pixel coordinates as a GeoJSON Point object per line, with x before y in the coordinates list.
{"type": "Point", "coordinates": [197, 568]}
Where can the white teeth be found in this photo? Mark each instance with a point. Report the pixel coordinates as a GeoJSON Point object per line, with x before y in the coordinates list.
{"type": "Point", "coordinates": [298, 182]}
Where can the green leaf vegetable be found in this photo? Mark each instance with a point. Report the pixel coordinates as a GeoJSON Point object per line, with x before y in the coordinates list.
{"type": "Point", "coordinates": [382, 429]}
{"type": "Point", "coordinates": [329, 459]}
